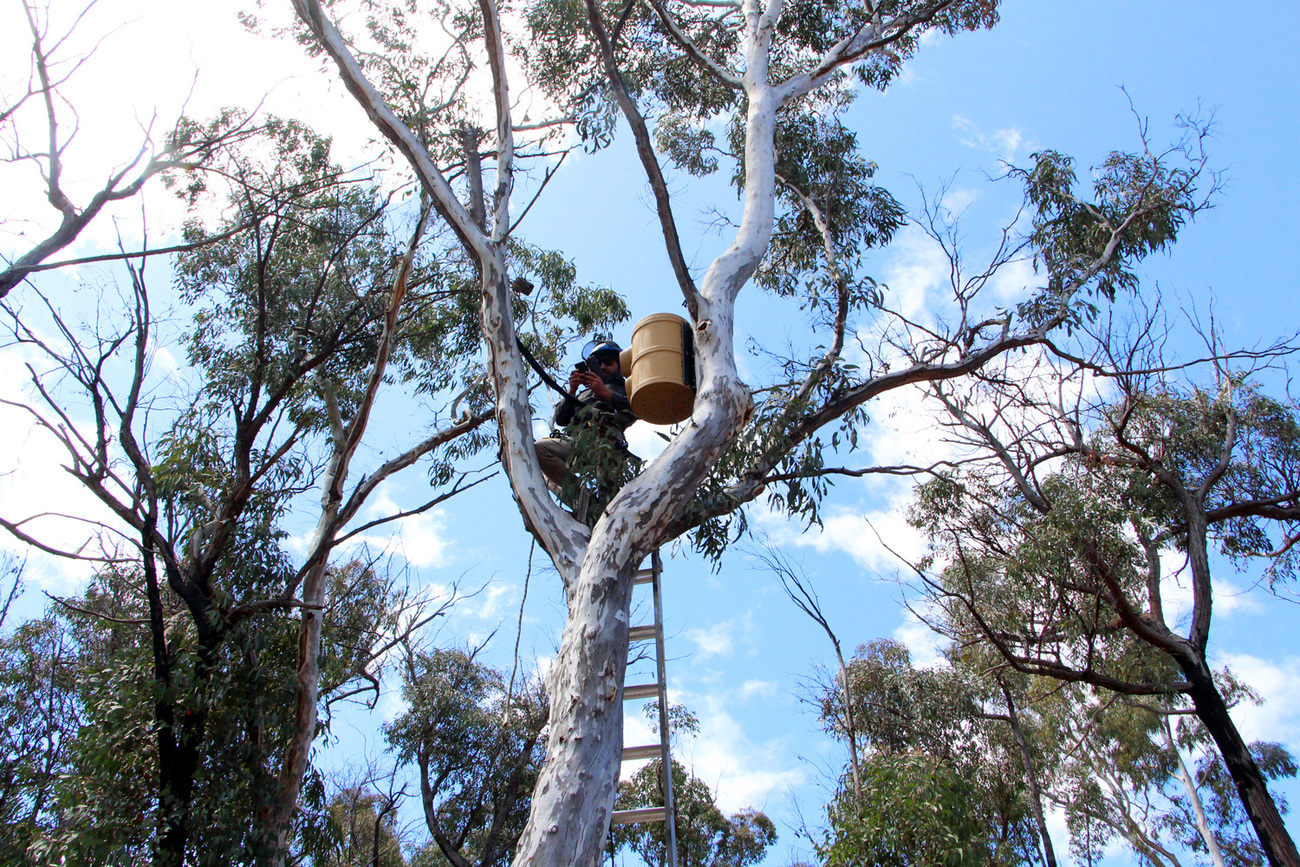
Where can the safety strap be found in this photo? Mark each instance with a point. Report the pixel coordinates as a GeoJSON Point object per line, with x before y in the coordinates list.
{"type": "Point", "coordinates": [546, 377]}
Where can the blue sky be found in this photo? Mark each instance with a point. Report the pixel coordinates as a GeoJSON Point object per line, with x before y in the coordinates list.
{"type": "Point", "coordinates": [1049, 76]}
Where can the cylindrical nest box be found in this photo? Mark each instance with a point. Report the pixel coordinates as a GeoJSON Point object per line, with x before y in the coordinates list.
{"type": "Point", "coordinates": [659, 367]}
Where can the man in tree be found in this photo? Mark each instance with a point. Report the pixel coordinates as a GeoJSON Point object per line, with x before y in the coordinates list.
{"type": "Point", "coordinates": [594, 417]}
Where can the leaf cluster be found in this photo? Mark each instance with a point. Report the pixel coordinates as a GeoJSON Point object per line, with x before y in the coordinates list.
{"type": "Point", "coordinates": [86, 786]}
{"type": "Point", "coordinates": [914, 810]}
{"type": "Point", "coordinates": [478, 747]}
{"type": "Point", "coordinates": [924, 733]}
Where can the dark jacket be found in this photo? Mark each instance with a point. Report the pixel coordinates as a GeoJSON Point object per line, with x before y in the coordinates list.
{"type": "Point", "coordinates": [614, 415]}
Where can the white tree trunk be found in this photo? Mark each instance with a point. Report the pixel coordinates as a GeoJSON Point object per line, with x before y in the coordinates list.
{"type": "Point", "coordinates": [1198, 809]}
{"type": "Point", "coordinates": [574, 797]}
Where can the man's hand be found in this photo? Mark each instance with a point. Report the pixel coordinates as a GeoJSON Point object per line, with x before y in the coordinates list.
{"type": "Point", "coordinates": [599, 389]}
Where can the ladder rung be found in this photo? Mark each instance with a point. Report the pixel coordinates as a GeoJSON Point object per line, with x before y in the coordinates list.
{"type": "Point", "coordinates": [650, 751]}
{"type": "Point", "coordinates": [642, 633]}
{"type": "Point", "coordinates": [646, 814]}
{"type": "Point", "coordinates": [643, 576]}
{"type": "Point", "coordinates": [640, 690]}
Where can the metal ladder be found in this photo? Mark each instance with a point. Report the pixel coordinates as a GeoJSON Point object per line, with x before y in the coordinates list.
{"type": "Point", "coordinates": [658, 689]}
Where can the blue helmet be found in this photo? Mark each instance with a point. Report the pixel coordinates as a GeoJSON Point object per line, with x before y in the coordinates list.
{"type": "Point", "coordinates": [597, 347]}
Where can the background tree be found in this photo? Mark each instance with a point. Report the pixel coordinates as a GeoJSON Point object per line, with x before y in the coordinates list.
{"type": "Point", "coordinates": [364, 833]}
{"type": "Point", "coordinates": [304, 303]}
{"type": "Point", "coordinates": [941, 779]}
{"type": "Point", "coordinates": [1051, 546]}
{"type": "Point", "coordinates": [477, 746]}
{"type": "Point", "coordinates": [96, 799]}
{"type": "Point", "coordinates": [38, 714]}
{"type": "Point", "coordinates": [1229, 826]}
{"type": "Point", "coordinates": [201, 497]}
{"type": "Point", "coordinates": [935, 713]}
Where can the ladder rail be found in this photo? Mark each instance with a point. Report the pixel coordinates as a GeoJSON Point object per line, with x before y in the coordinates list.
{"type": "Point", "coordinates": [665, 813]}
{"type": "Point", "coordinates": [670, 812]}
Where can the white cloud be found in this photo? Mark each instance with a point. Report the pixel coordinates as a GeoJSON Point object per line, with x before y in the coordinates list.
{"type": "Point", "coordinates": [916, 268]}
{"type": "Point", "coordinates": [1278, 684]}
{"type": "Point", "coordinates": [1230, 599]}
{"type": "Point", "coordinates": [716, 640]}
{"type": "Point", "coordinates": [1013, 281]}
{"type": "Point", "coordinates": [742, 773]}
{"type": "Point", "coordinates": [479, 611]}
{"type": "Point", "coordinates": [163, 362]}
{"type": "Point", "coordinates": [875, 539]}
{"type": "Point", "coordinates": [925, 645]}
{"type": "Point", "coordinates": [421, 540]}
{"type": "Point", "coordinates": [1175, 588]}
{"type": "Point", "coordinates": [957, 201]}
{"type": "Point", "coordinates": [758, 688]}
{"type": "Point", "coordinates": [1176, 592]}
{"type": "Point", "coordinates": [1004, 143]}
{"type": "Point", "coordinates": [391, 704]}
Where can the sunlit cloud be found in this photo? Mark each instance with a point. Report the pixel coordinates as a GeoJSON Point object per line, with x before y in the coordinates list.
{"type": "Point", "coordinates": [1014, 281]}
{"type": "Point", "coordinates": [420, 540]}
{"type": "Point", "coordinates": [741, 773]}
{"type": "Point", "coordinates": [714, 641]}
{"type": "Point", "coordinates": [1004, 143]}
{"type": "Point", "coordinates": [924, 644]}
{"type": "Point", "coordinates": [915, 271]}
{"type": "Point", "coordinates": [758, 689]}
{"type": "Point", "coordinates": [1277, 718]}
{"type": "Point", "coordinates": [956, 201]}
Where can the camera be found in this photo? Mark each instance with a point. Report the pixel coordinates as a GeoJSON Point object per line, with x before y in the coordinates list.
{"type": "Point", "coordinates": [581, 367]}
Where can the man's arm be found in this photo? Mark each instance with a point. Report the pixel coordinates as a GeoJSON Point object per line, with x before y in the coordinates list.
{"type": "Point", "coordinates": [569, 407]}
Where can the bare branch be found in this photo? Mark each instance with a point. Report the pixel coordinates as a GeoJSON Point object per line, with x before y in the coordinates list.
{"type": "Point", "coordinates": [645, 150]}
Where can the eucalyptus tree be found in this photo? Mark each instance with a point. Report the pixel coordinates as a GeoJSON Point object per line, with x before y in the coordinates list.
{"type": "Point", "coordinates": [365, 834]}
{"type": "Point", "coordinates": [1215, 817]}
{"type": "Point", "coordinates": [940, 779]}
{"type": "Point", "coordinates": [476, 743]}
{"type": "Point", "coordinates": [777, 77]}
{"type": "Point", "coordinates": [36, 709]}
{"type": "Point", "coordinates": [299, 301]}
{"type": "Point", "coordinates": [1051, 545]}
{"type": "Point", "coordinates": [1133, 771]}
{"type": "Point", "coordinates": [1123, 773]}
{"type": "Point", "coordinates": [196, 482]}
{"type": "Point", "coordinates": [102, 803]}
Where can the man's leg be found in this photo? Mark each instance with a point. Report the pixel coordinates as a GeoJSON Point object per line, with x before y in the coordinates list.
{"type": "Point", "coordinates": [553, 456]}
